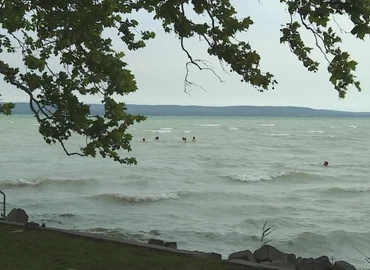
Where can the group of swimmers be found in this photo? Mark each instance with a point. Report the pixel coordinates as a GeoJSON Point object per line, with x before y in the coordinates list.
{"type": "Point", "coordinates": [183, 139]}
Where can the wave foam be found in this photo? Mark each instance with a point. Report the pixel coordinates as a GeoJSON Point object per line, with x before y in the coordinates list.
{"type": "Point", "coordinates": [209, 125]}
{"type": "Point", "coordinates": [266, 125]}
{"type": "Point", "coordinates": [44, 181]}
{"type": "Point", "coordinates": [269, 177]}
{"type": "Point", "coordinates": [357, 189]}
{"type": "Point", "coordinates": [277, 134]}
{"type": "Point", "coordinates": [137, 198]}
{"type": "Point", "coordinates": [316, 131]}
{"type": "Point", "coordinates": [161, 131]}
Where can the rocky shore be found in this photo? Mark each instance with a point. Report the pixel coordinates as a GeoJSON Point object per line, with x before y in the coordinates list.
{"type": "Point", "coordinates": [266, 257]}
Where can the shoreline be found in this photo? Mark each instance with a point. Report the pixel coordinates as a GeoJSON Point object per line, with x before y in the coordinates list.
{"type": "Point", "coordinates": [244, 259]}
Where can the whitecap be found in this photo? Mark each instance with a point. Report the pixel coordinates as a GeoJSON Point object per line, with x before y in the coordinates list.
{"type": "Point", "coordinates": [45, 181]}
{"type": "Point", "coordinates": [352, 126]}
{"type": "Point", "coordinates": [266, 125]}
{"type": "Point", "coordinates": [277, 134]}
{"type": "Point", "coordinates": [209, 125]}
{"type": "Point", "coordinates": [355, 189]}
{"type": "Point", "coordinates": [256, 177]}
{"type": "Point", "coordinates": [315, 131]}
{"type": "Point", "coordinates": [11, 122]}
{"type": "Point", "coordinates": [161, 131]}
{"type": "Point", "coordinates": [138, 198]}
{"type": "Point", "coordinates": [21, 182]}
{"type": "Point", "coordinates": [233, 128]}
{"type": "Point", "coordinates": [268, 177]}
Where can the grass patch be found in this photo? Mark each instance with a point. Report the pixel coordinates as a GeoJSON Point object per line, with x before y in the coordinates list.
{"type": "Point", "coordinates": [43, 249]}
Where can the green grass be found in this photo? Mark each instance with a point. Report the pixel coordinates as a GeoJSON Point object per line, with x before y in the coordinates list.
{"type": "Point", "coordinates": [42, 249]}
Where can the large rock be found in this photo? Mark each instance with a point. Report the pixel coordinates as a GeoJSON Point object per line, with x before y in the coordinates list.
{"type": "Point", "coordinates": [212, 255]}
{"type": "Point", "coordinates": [157, 242]}
{"type": "Point", "coordinates": [270, 253]}
{"type": "Point", "coordinates": [280, 264]}
{"type": "Point", "coordinates": [342, 265]}
{"type": "Point", "coordinates": [323, 262]}
{"type": "Point", "coordinates": [17, 215]}
{"type": "Point", "coordinates": [32, 224]}
{"type": "Point", "coordinates": [243, 255]}
{"type": "Point", "coordinates": [171, 245]}
{"type": "Point", "coordinates": [320, 263]}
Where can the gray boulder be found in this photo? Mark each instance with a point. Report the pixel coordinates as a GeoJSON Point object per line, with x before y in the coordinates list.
{"type": "Point", "coordinates": [32, 224]}
{"type": "Point", "coordinates": [157, 242]}
{"type": "Point", "coordinates": [243, 255]}
{"type": "Point", "coordinates": [280, 264]}
{"type": "Point", "coordinates": [270, 253]}
{"type": "Point", "coordinates": [171, 245]}
{"type": "Point", "coordinates": [323, 262]}
{"type": "Point", "coordinates": [215, 255]}
{"type": "Point", "coordinates": [305, 264]}
{"type": "Point", "coordinates": [342, 265]}
{"type": "Point", "coordinates": [320, 263]}
{"type": "Point", "coordinates": [212, 255]}
{"type": "Point", "coordinates": [17, 215]}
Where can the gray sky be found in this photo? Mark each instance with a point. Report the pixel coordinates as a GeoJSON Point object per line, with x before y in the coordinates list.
{"type": "Point", "coordinates": [160, 69]}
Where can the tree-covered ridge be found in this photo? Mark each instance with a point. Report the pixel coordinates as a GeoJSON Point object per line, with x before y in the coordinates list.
{"type": "Point", "coordinates": [70, 32]}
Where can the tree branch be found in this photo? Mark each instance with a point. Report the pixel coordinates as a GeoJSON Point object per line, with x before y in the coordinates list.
{"type": "Point", "coordinates": [68, 153]}
{"type": "Point", "coordinates": [316, 36]}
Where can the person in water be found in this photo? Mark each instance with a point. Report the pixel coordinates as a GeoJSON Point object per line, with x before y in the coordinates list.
{"type": "Point", "coordinates": [326, 164]}
{"type": "Point", "coordinates": [184, 139]}
{"type": "Point", "coordinates": [143, 139]}
{"type": "Point", "coordinates": [194, 140]}
{"type": "Point", "coordinates": [156, 138]}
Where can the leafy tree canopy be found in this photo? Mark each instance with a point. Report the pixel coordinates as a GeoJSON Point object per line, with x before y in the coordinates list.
{"type": "Point", "coordinates": [70, 32]}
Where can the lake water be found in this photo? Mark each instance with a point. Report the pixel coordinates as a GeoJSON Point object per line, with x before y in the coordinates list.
{"type": "Point", "coordinates": [211, 195]}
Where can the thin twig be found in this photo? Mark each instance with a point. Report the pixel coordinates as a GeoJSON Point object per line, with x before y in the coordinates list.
{"type": "Point", "coordinates": [316, 36]}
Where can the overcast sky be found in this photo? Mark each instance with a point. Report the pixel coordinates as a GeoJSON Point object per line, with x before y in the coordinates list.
{"type": "Point", "coordinates": [160, 69]}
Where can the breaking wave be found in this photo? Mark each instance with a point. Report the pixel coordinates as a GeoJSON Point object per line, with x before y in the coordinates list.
{"type": "Point", "coordinates": [357, 189]}
{"type": "Point", "coordinates": [269, 177]}
{"type": "Point", "coordinates": [209, 125]}
{"type": "Point", "coordinates": [117, 197]}
{"type": "Point", "coordinates": [45, 182]}
{"type": "Point", "coordinates": [161, 131]}
{"type": "Point", "coordinates": [315, 131]}
{"type": "Point", "coordinates": [277, 134]}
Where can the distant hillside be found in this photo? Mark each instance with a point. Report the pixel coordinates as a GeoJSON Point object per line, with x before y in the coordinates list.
{"type": "Point", "coordinates": [175, 110]}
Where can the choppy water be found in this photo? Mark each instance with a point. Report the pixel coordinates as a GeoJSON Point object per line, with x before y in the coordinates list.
{"type": "Point", "coordinates": [211, 195]}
